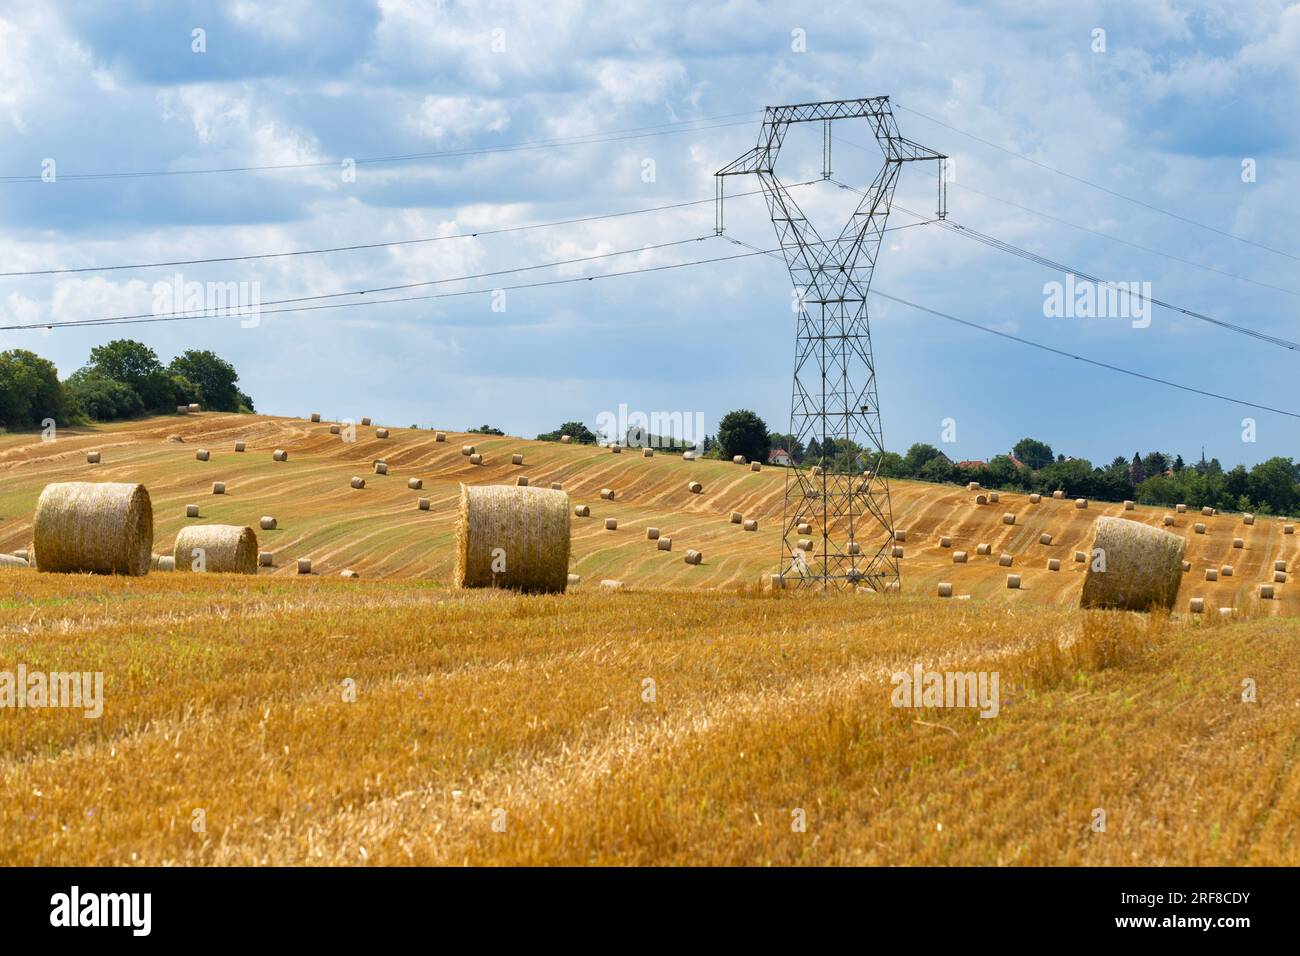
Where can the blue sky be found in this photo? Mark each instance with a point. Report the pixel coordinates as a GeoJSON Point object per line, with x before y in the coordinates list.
{"type": "Point", "coordinates": [1166, 113]}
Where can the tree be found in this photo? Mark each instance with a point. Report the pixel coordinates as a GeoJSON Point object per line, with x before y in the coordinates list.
{"type": "Point", "coordinates": [741, 432]}
{"type": "Point", "coordinates": [791, 444]}
{"type": "Point", "coordinates": [484, 430]}
{"type": "Point", "coordinates": [575, 430]}
{"type": "Point", "coordinates": [136, 365]}
{"type": "Point", "coordinates": [214, 377]}
{"type": "Point", "coordinates": [1032, 452]}
{"type": "Point", "coordinates": [917, 456]}
{"type": "Point", "coordinates": [29, 390]}
{"type": "Point", "coordinates": [100, 398]}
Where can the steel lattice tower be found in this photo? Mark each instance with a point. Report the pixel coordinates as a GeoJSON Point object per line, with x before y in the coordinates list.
{"type": "Point", "coordinates": [839, 491]}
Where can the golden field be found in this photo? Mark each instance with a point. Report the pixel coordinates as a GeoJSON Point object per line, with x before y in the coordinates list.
{"type": "Point", "coordinates": [394, 720]}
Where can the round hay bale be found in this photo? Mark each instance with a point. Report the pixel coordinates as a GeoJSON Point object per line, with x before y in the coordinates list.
{"type": "Point", "coordinates": [1080, 557]}
{"type": "Point", "coordinates": [1207, 511]}
{"type": "Point", "coordinates": [688, 456]}
{"type": "Point", "coordinates": [1013, 582]}
{"type": "Point", "coordinates": [365, 420]}
{"type": "Point", "coordinates": [12, 561]}
{"type": "Point", "coordinates": [279, 455]}
{"type": "Point", "coordinates": [983, 549]}
{"type": "Point", "coordinates": [512, 537]}
{"type": "Point", "coordinates": [664, 544]}
{"type": "Point", "coordinates": [694, 487]}
{"type": "Point", "coordinates": [315, 417]}
{"type": "Point", "coordinates": [854, 548]}
{"type": "Point", "coordinates": [1277, 565]}
{"type": "Point", "coordinates": [1196, 605]}
{"type": "Point", "coordinates": [738, 459]}
{"type": "Point", "coordinates": [897, 552]}
{"type": "Point", "coordinates": [693, 557]}
{"type": "Point", "coordinates": [557, 486]}
{"type": "Point", "coordinates": [582, 511]}
{"type": "Point", "coordinates": [1181, 508]}
{"type": "Point", "coordinates": [1247, 519]}
{"type": "Point", "coordinates": [1130, 505]}
{"type": "Point", "coordinates": [565, 439]}
{"type": "Point", "coordinates": [439, 436]}
{"type": "Point", "coordinates": [611, 524]}
{"type": "Point", "coordinates": [476, 459]}
{"type": "Point", "coordinates": [226, 548]}
{"type": "Point", "coordinates": [973, 486]}
{"type": "Point", "coordinates": [805, 544]}
{"type": "Point", "coordinates": [202, 454]}
{"type": "Point", "coordinates": [1225, 571]}
{"type": "Point", "coordinates": [1226, 611]}
{"type": "Point", "coordinates": [381, 468]}
{"type": "Point", "coordinates": [1279, 577]}
{"type": "Point", "coordinates": [304, 565]}
{"type": "Point", "coordinates": [981, 499]}
{"type": "Point", "coordinates": [959, 557]}
{"type": "Point", "coordinates": [522, 481]}
{"type": "Point", "coordinates": [574, 580]}
{"type": "Point", "coordinates": [267, 523]}
{"type": "Point", "coordinates": [218, 487]}
{"type": "Point", "coordinates": [900, 535]}
{"type": "Point", "coordinates": [334, 430]}
{"type": "Point", "coordinates": [737, 517]}
{"type": "Point", "coordinates": [1143, 566]}
{"type": "Point", "coordinates": [423, 504]}
{"type": "Point", "coordinates": [610, 584]}
{"type": "Point", "coordinates": [1006, 560]}
{"type": "Point", "coordinates": [750, 525]}
{"type": "Point", "coordinates": [1008, 518]}
{"type": "Point", "coordinates": [349, 573]}
{"type": "Point", "coordinates": [516, 459]}
{"type": "Point", "coordinates": [616, 449]}
{"type": "Point", "coordinates": [102, 528]}
{"type": "Point", "coordinates": [26, 555]}
{"type": "Point", "coordinates": [945, 542]}
{"type": "Point", "coordinates": [1169, 520]}
{"type": "Point", "coordinates": [182, 409]}
{"type": "Point", "coordinates": [647, 452]}
{"type": "Point", "coordinates": [652, 534]}
{"type": "Point", "coordinates": [1187, 566]}
{"type": "Point", "coordinates": [994, 497]}
{"type": "Point", "coordinates": [607, 494]}
{"type": "Point", "coordinates": [381, 432]}
{"type": "Point", "coordinates": [755, 466]}
{"type": "Point", "coordinates": [1238, 543]}
{"type": "Point", "coordinates": [1081, 502]}
{"type": "Point", "coordinates": [1053, 564]}
{"type": "Point", "coordinates": [1035, 498]}
{"type": "Point", "coordinates": [415, 484]}
{"type": "Point", "coordinates": [945, 589]}
{"type": "Point", "coordinates": [92, 458]}
{"type": "Point", "coordinates": [1059, 495]}
{"type": "Point", "coordinates": [194, 407]}
{"type": "Point", "coordinates": [265, 560]}
{"type": "Point", "coordinates": [1044, 538]}
{"type": "Point", "coordinates": [1200, 528]}
{"type": "Point", "coordinates": [804, 528]}
{"type": "Point", "coordinates": [1288, 529]}
{"type": "Point", "coordinates": [358, 481]}
{"type": "Point", "coordinates": [1266, 592]}
{"type": "Point", "coordinates": [1211, 574]}
{"type": "Point", "coordinates": [239, 447]}
{"type": "Point", "coordinates": [191, 511]}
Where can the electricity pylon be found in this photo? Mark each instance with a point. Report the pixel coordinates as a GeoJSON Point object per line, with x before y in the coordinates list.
{"type": "Point", "coordinates": [837, 494]}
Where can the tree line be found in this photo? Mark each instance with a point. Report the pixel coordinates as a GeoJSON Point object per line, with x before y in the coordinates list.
{"type": "Point", "coordinates": [122, 379]}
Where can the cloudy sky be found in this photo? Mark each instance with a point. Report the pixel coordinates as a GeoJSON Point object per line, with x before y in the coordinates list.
{"type": "Point", "coordinates": [465, 118]}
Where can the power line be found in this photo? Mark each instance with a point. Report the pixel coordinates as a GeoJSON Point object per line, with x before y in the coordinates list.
{"type": "Point", "coordinates": [380, 245]}
{"type": "Point", "coordinates": [1125, 242]}
{"type": "Point", "coordinates": [175, 317]}
{"type": "Point", "coordinates": [613, 136]}
{"type": "Point", "coordinates": [1098, 186]}
{"type": "Point", "coordinates": [1056, 351]}
{"type": "Point", "coordinates": [1002, 246]}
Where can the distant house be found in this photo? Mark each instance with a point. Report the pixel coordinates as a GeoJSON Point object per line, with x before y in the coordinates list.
{"type": "Point", "coordinates": [1016, 461]}
{"type": "Point", "coordinates": [972, 464]}
{"type": "Point", "coordinates": [779, 456]}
